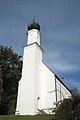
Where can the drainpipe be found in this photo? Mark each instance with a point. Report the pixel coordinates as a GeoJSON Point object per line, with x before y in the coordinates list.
{"type": "Point", "coordinates": [56, 90]}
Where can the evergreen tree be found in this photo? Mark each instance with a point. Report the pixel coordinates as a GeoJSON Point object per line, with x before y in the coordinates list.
{"type": "Point", "coordinates": [1, 87]}
{"type": "Point", "coordinates": [10, 65]}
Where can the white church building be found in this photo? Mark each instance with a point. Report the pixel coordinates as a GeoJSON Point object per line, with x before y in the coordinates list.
{"type": "Point", "coordinates": [39, 88]}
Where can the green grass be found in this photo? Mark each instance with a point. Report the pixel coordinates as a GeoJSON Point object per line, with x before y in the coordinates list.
{"type": "Point", "coordinates": [36, 117]}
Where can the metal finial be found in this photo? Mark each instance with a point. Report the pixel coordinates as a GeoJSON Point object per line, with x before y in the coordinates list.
{"type": "Point", "coordinates": [34, 18]}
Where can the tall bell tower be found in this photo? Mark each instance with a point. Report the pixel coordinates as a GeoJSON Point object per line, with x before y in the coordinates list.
{"type": "Point", "coordinates": [33, 32]}
{"type": "Point", "coordinates": [29, 89]}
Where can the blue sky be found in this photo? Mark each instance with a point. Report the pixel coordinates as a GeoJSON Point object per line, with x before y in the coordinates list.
{"type": "Point", "coordinates": [60, 32]}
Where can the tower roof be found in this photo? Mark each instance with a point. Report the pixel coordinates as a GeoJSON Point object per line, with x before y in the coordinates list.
{"type": "Point", "coordinates": [34, 25]}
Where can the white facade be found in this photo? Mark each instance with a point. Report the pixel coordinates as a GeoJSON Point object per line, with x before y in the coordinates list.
{"type": "Point", "coordinates": [39, 88]}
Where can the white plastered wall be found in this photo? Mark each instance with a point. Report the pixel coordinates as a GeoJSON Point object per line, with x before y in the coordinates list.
{"type": "Point", "coordinates": [29, 85]}
{"type": "Point", "coordinates": [48, 85]}
{"type": "Point", "coordinates": [62, 91]}
{"type": "Point", "coordinates": [33, 36]}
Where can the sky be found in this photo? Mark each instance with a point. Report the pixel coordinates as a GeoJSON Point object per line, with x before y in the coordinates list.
{"type": "Point", "coordinates": [60, 33]}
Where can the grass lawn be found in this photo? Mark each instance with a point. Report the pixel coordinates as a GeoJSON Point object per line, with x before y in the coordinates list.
{"type": "Point", "coordinates": [36, 117]}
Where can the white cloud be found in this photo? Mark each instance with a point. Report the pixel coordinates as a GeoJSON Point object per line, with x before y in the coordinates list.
{"type": "Point", "coordinates": [65, 67]}
{"type": "Point", "coordinates": [58, 63]}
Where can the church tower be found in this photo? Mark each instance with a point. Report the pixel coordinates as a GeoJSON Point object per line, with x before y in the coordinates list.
{"type": "Point", "coordinates": [33, 32]}
{"type": "Point", "coordinates": [30, 83]}
{"type": "Point", "coordinates": [39, 89]}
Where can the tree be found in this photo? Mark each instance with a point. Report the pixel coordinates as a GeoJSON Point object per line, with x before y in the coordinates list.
{"type": "Point", "coordinates": [11, 66]}
{"type": "Point", "coordinates": [1, 87]}
{"type": "Point", "coordinates": [69, 109]}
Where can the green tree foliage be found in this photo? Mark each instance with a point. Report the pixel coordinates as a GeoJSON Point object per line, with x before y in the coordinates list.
{"type": "Point", "coordinates": [10, 66]}
{"type": "Point", "coordinates": [69, 109]}
{"type": "Point", "coordinates": [1, 87]}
